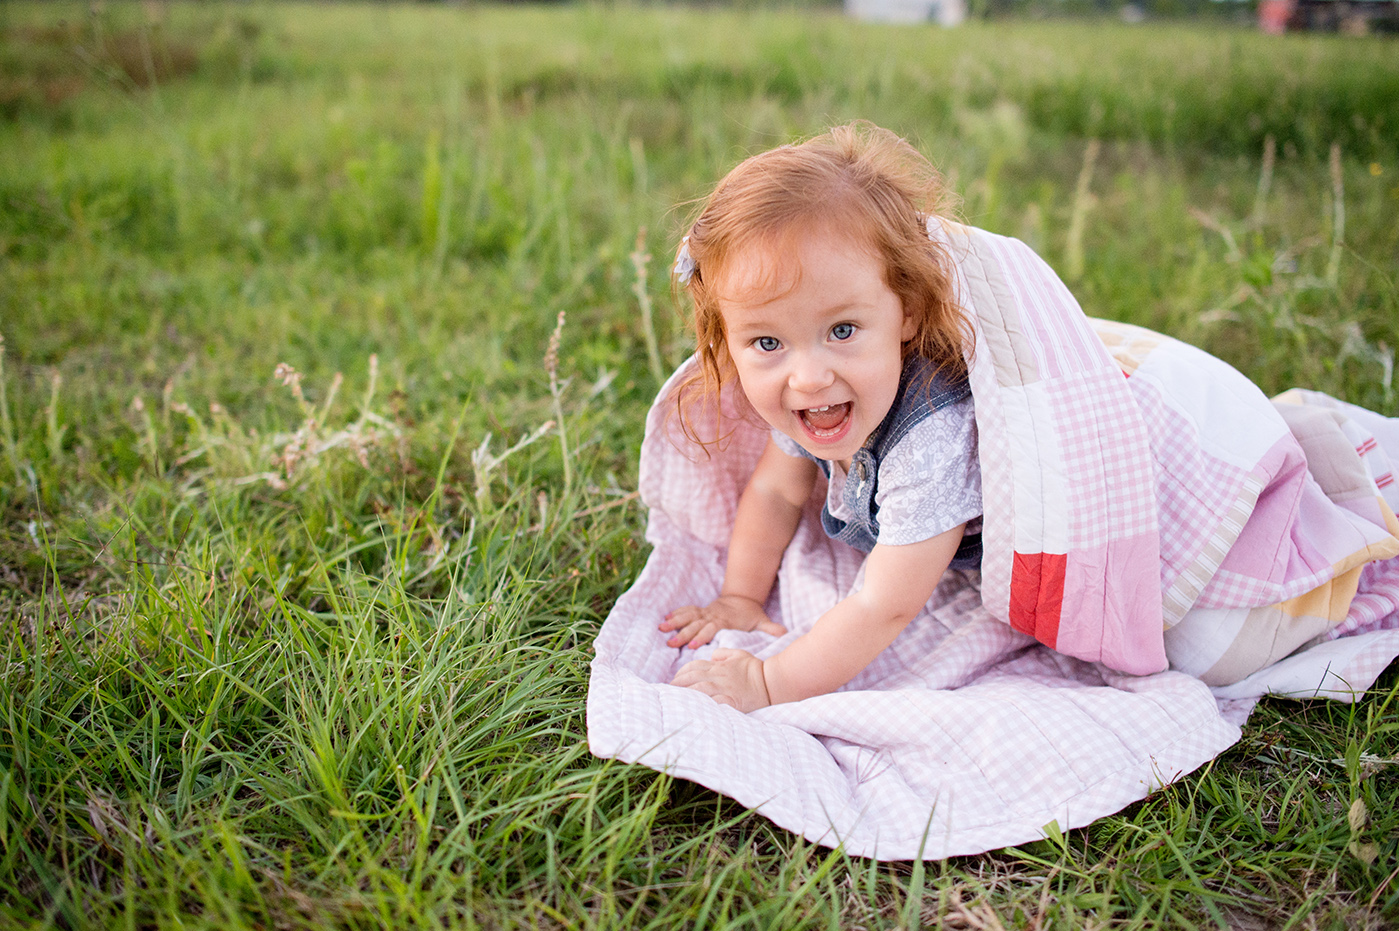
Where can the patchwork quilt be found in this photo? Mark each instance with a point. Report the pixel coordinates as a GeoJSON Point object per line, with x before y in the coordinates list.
{"type": "Point", "coordinates": [1162, 546]}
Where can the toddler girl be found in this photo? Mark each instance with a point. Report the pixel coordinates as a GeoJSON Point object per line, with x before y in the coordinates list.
{"type": "Point", "coordinates": [819, 291]}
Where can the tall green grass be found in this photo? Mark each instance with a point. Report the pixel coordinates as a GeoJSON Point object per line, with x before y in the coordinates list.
{"type": "Point", "coordinates": [284, 648]}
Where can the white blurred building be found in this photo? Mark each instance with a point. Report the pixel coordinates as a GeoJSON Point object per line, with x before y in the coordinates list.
{"type": "Point", "coordinates": [942, 12]}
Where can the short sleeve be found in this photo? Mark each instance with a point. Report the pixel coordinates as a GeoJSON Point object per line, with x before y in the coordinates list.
{"type": "Point", "coordinates": [930, 481]}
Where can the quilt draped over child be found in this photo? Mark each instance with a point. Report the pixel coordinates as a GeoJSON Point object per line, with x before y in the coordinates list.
{"type": "Point", "coordinates": [1144, 502]}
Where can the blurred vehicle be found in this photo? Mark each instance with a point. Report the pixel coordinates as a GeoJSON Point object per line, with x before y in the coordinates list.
{"type": "Point", "coordinates": [1354, 17]}
{"type": "Point", "coordinates": [942, 12]}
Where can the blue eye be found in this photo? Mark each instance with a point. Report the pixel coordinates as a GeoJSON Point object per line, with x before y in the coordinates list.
{"type": "Point", "coordinates": [767, 343]}
{"type": "Point", "coordinates": [842, 331]}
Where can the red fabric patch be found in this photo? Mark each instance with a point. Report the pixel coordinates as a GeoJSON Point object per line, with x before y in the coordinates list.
{"type": "Point", "coordinates": [1037, 594]}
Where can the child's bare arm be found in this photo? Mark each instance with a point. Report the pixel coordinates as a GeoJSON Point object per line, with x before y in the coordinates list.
{"type": "Point", "coordinates": [767, 517]}
{"type": "Point", "coordinates": [899, 580]}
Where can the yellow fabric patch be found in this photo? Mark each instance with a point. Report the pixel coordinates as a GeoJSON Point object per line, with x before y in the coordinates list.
{"type": "Point", "coordinates": [1128, 345]}
{"type": "Point", "coordinates": [1330, 601]}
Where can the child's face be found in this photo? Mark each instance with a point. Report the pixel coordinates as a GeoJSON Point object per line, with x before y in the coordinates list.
{"type": "Point", "coordinates": [816, 337]}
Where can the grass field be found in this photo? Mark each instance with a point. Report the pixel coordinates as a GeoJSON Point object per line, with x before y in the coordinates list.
{"type": "Point", "coordinates": [286, 649]}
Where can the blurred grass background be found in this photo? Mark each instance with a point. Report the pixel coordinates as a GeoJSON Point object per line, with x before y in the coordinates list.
{"type": "Point", "coordinates": [282, 648]}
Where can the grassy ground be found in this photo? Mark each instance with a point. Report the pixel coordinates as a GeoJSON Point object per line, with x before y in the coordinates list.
{"type": "Point", "coordinates": [282, 649]}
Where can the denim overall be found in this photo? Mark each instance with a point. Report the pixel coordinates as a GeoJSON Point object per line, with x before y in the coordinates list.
{"type": "Point", "coordinates": [921, 392]}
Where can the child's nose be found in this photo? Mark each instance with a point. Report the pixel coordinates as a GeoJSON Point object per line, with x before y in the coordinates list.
{"type": "Point", "coordinates": [810, 372]}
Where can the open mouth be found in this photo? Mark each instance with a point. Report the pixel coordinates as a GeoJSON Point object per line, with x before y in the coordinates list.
{"type": "Point", "coordinates": [825, 423]}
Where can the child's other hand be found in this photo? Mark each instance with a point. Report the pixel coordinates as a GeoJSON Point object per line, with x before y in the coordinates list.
{"type": "Point", "coordinates": [732, 677]}
{"type": "Point", "coordinates": [697, 626]}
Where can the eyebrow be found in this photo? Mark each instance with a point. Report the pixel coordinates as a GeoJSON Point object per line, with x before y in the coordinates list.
{"type": "Point", "coordinates": [751, 330]}
{"type": "Point", "coordinates": [752, 323]}
{"type": "Point", "coordinates": [758, 320]}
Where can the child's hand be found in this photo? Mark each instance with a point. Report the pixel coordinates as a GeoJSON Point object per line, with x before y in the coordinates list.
{"type": "Point", "coordinates": [697, 626]}
{"type": "Point", "coordinates": [732, 677]}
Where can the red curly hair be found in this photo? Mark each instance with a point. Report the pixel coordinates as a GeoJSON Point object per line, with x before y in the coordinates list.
{"type": "Point", "coordinates": [858, 179]}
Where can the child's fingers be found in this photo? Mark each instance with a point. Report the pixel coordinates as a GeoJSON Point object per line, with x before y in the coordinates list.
{"type": "Point", "coordinates": [717, 692]}
{"type": "Point", "coordinates": [696, 633]}
{"type": "Point", "coordinates": [678, 618]}
{"type": "Point", "coordinates": [732, 677]}
{"type": "Point", "coordinates": [699, 676]}
{"type": "Point", "coordinates": [692, 673]}
{"type": "Point", "coordinates": [687, 621]}
{"type": "Point", "coordinates": [768, 627]}
{"type": "Point", "coordinates": [705, 635]}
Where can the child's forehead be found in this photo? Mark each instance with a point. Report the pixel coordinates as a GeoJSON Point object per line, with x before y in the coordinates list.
{"type": "Point", "coordinates": [770, 266]}
{"type": "Point", "coordinates": [762, 266]}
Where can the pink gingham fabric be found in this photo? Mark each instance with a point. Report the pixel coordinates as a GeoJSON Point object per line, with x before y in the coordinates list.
{"type": "Point", "coordinates": [1102, 492]}
{"type": "Point", "coordinates": [963, 736]}
{"type": "Point", "coordinates": [966, 734]}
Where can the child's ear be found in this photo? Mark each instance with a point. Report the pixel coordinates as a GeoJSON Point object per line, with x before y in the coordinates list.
{"type": "Point", "coordinates": [910, 329]}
